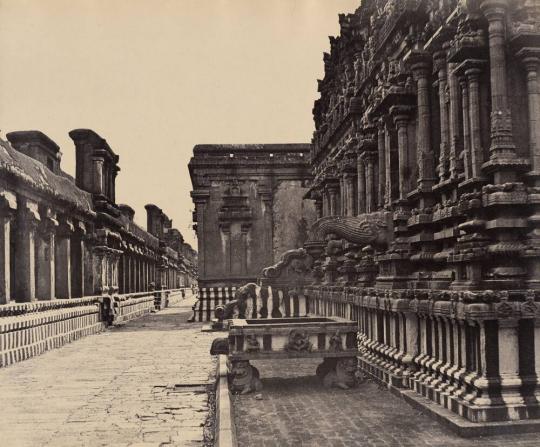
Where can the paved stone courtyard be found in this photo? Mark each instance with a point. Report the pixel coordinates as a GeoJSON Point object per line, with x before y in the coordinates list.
{"type": "Point", "coordinates": [297, 411]}
{"type": "Point", "coordinates": [143, 383]}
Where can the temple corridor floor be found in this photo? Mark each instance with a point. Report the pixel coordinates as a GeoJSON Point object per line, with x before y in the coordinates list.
{"type": "Point", "coordinates": [297, 411]}
{"type": "Point", "coordinates": [142, 383]}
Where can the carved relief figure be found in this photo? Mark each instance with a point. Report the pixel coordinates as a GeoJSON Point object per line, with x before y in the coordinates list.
{"type": "Point", "coordinates": [298, 341]}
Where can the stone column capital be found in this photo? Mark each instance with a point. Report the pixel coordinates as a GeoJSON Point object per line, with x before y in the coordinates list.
{"type": "Point", "coordinates": [470, 68]}
{"type": "Point", "coordinates": [440, 64]}
{"type": "Point", "coordinates": [420, 63]}
{"type": "Point", "coordinates": [494, 9]}
{"type": "Point", "coordinates": [401, 115]}
{"type": "Point", "coordinates": [28, 213]}
{"type": "Point", "coordinates": [530, 57]}
{"type": "Point", "coordinates": [65, 226]}
{"type": "Point", "coordinates": [8, 203]}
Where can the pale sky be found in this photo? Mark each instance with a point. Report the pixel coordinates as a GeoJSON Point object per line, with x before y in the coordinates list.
{"type": "Point", "coordinates": [156, 77]}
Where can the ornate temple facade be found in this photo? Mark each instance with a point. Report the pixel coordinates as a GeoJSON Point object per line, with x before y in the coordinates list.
{"type": "Point", "coordinates": [426, 177]}
{"type": "Point", "coordinates": [425, 166]}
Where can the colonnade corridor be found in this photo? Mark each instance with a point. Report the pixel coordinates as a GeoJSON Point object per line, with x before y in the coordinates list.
{"type": "Point", "coordinates": [125, 386]}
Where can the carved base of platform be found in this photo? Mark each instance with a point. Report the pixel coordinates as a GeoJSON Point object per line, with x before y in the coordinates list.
{"type": "Point", "coordinates": [482, 410]}
{"type": "Point", "coordinates": [339, 372]}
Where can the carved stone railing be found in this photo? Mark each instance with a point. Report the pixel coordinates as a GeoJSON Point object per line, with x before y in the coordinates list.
{"type": "Point", "coordinates": [469, 352]}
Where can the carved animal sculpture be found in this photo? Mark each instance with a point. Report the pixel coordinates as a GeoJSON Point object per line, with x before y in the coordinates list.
{"type": "Point", "coordinates": [244, 378]}
{"type": "Point", "coordinates": [238, 306]}
{"type": "Point", "coordinates": [343, 375]}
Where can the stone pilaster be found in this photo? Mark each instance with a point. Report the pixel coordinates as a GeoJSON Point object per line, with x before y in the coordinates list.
{"type": "Point", "coordinates": [62, 264]}
{"type": "Point", "coordinates": [466, 128]}
{"type": "Point", "coordinates": [25, 267]}
{"type": "Point", "coordinates": [8, 207]}
{"type": "Point", "coordinates": [45, 243]}
{"type": "Point", "coordinates": [440, 66]}
{"type": "Point", "coordinates": [503, 161]}
{"type": "Point", "coordinates": [420, 65]}
{"type": "Point", "coordinates": [472, 73]}
{"type": "Point", "coordinates": [381, 150]}
{"type": "Point", "coordinates": [455, 137]}
{"type": "Point", "coordinates": [361, 179]}
{"type": "Point", "coordinates": [530, 58]}
{"type": "Point", "coordinates": [333, 191]}
{"type": "Point", "coordinates": [77, 260]}
{"type": "Point", "coordinates": [371, 198]}
{"type": "Point", "coordinates": [401, 117]}
{"type": "Point", "coordinates": [98, 182]}
{"type": "Point", "coordinates": [349, 188]}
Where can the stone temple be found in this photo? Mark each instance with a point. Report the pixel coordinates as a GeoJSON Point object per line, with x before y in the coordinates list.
{"type": "Point", "coordinates": [424, 174]}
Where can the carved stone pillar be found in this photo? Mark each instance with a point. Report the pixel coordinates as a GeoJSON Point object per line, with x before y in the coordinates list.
{"type": "Point", "coordinates": [325, 203]}
{"type": "Point", "coordinates": [77, 260]}
{"type": "Point", "coordinates": [342, 196]}
{"type": "Point", "coordinates": [531, 60]}
{"type": "Point", "coordinates": [401, 116]}
{"type": "Point", "coordinates": [388, 167]}
{"type": "Point", "coordinates": [382, 161]}
{"type": "Point", "coordinates": [369, 160]}
{"type": "Point", "coordinates": [333, 191]}
{"type": "Point", "coordinates": [100, 270]}
{"type": "Point", "coordinates": [453, 121]}
{"type": "Point", "coordinates": [420, 66]}
{"type": "Point", "coordinates": [319, 205]}
{"type": "Point", "coordinates": [25, 267]}
{"type": "Point", "coordinates": [472, 73]}
{"type": "Point", "coordinates": [98, 180]}
{"type": "Point", "coordinates": [361, 178]}
{"type": "Point", "coordinates": [62, 264]}
{"type": "Point", "coordinates": [440, 65]}
{"type": "Point", "coordinates": [45, 242]}
{"type": "Point", "coordinates": [349, 188]}
{"type": "Point", "coordinates": [8, 206]}
{"type": "Point", "coordinates": [503, 160]}
{"type": "Point", "coordinates": [466, 128]}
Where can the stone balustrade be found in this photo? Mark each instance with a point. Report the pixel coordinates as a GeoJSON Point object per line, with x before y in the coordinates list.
{"type": "Point", "coordinates": [476, 354]}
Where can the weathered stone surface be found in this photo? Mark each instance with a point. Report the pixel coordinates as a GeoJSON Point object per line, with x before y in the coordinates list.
{"type": "Point", "coordinates": [122, 387]}
{"type": "Point", "coordinates": [249, 208]}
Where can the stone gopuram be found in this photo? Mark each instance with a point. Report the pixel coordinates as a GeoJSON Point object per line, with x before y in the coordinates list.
{"type": "Point", "coordinates": [425, 166]}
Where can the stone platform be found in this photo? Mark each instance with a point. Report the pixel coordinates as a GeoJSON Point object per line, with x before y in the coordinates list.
{"type": "Point", "coordinates": [297, 411]}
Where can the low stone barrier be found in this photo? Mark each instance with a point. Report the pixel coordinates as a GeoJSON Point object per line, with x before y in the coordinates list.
{"type": "Point", "coordinates": [29, 329]}
{"type": "Point", "coordinates": [131, 306]}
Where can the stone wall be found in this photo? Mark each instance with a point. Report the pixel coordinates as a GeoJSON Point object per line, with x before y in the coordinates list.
{"type": "Point", "coordinates": [248, 207]}
{"type": "Point", "coordinates": [292, 215]}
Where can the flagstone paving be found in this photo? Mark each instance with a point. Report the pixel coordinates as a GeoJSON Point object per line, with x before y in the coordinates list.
{"type": "Point", "coordinates": [143, 383]}
{"type": "Point", "coordinates": [296, 410]}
